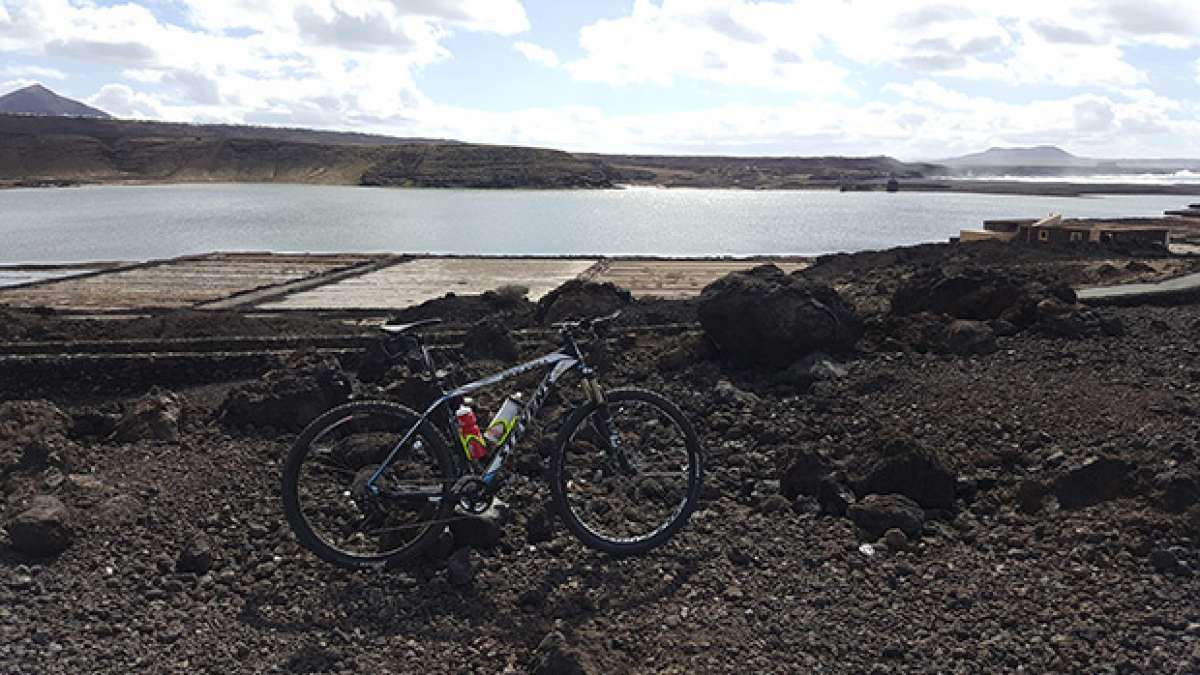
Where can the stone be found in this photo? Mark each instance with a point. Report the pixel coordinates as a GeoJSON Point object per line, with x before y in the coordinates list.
{"type": "Point", "coordinates": [833, 496]}
{"type": "Point", "coordinates": [1179, 492]}
{"type": "Point", "coordinates": [978, 294]}
{"type": "Point", "coordinates": [152, 417]}
{"type": "Point", "coordinates": [764, 316]}
{"type": "Point", "coordinates": [876, 514]}
{"type": "Point", "coordinates": [903, 466]}
{"type": "Point", "coordinates": [1164, 561]}
{"type": "Point", "coordinates": [489, 338]}
{"type": "Point", "coordinates": [460, 567]}
{"type": "Point", "coordinates": [1096, 480]}
{"type": "Point", "coordinates": [803, 474]}
{"type": "Point", "coordinates": [120, 509]}
{"type": "Point", "coordinates": [966, 337]}
{"type": "Point", "coordinates": [196, 557]}
{"type": "Point", "coordinates": [1029, 495]}
{"type": "Point", "coordinates": [774, 504]}
{"type": "Point", "coordinates": [43, 529]}
{"type": "Point", "coordinates": [290, 397]}
{"type": "Point", "coordinates": [33, 435]}
{"type": "Point", "coordinates": [895, 539]}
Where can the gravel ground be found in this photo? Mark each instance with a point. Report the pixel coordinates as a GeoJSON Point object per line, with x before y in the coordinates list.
{"type": "Point", "coordinates": [1000, 582]}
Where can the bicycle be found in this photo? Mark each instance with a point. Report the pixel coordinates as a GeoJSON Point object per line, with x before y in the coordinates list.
{"type": "Point", "coordinates": [391, 483]}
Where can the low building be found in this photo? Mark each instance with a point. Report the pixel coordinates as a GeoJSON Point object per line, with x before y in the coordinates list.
{"type": "Point", "coordinates": [1053, 229]}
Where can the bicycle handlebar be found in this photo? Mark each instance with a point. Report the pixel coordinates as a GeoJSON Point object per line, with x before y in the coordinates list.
{"type": "Point", "coordinates": [586, 324]}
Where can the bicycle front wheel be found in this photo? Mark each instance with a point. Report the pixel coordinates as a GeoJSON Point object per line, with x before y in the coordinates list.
{"type": "Point", "coordinates": [627, 473]}
{"type": "Point", "coordinates": [329, 502]}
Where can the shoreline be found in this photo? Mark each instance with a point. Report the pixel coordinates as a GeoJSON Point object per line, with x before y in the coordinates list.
{"type": "Point", "coordinates": [959, 186]}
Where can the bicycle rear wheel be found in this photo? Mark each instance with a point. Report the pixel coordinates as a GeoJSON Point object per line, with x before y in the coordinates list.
{"type": "Point", "coordinates": [627, 474]}
{"type": "Point", "coordinates": [327, 500]}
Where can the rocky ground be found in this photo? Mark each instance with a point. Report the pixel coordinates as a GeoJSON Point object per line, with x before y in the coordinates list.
{"type": "Point", "coordinates": [973, 475]}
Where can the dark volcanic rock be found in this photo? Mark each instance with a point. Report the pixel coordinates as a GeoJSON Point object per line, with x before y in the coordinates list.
{"type": "Point", "coordinates": [803, 474]}
{"type": "Point", "coordinates": [44, 529]}
{"type": "Point", "coordinates": [876, 514]}
{"type": "Point", "coordinates": [32, 435]}
{"type": "Point", "coordinates": [833, 496]}
{"type": "Point", "coordinates": [766, 316]}
{"type": "Point", "coordinates": [904, 467]}
{"type": "Point", "coordinates": [578, 299]}
{"type": "Point", "coordinates": [978, 294]}
{"type": "Point", "coordinates": [1058, 319]}
{"type": "Point", "coordinates": [196, 557]}
{"type": "Point", "coordinates": [290, 397]}
{"type": "Point", "coordinates": [1097, 480]}
{"type": "Point", "coordinates": [964, 336]}
{"type": "Point", "coordinates": [489, 338]}
{"type": "Point", "coordinates": [1179, 492]}
{"type": "Point", "coordinates": [153, 417]}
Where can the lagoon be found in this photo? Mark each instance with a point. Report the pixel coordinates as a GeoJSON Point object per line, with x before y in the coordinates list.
{"type": "Point", "coordinates": [57, 225]}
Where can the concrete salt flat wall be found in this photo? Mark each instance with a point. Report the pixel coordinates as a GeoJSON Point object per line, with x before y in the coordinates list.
{"type": "Point", "coordinates": [416, 281]}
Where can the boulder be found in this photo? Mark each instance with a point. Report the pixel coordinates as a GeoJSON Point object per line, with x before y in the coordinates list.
{"type": "Point", "coordinates": [33, 434]}
{"type": "Point", "coordinates": [579, 299]}
{"type": "Point", "coordinates": [1029, 495]}
{"type": "Point", "coordinates": [290, 397]}
{"type": "Point", "coordinates": [767, 317]}
{"type": "Point", "coordinates": [981, 294]}
{"type": "Point", "coordinates": [1073, 321]}
{"type": "Point", "coordinates": [489, 338]}
{"type": "Point", "coordinates": [43, 529]}
{"type": "Point", "coordinates": [803, 474]}
{"type": "Point", "coordinates": [1179, 491]}
{"type": "Point", "coordinates": [876, 514]}
{"type": "Point", "coordinates": [1096, 480]}
{"type": "Point", "coordinates": [978, 294]}
{"type": "Point", "coordinates": [153, 417]}
{"type": "Point", "coordinates": [964, 336]}
{"type": "Point", "coordinates": [902, 466]}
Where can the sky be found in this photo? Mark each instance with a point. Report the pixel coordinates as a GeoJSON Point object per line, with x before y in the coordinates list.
{"type": "Point", "coordinates": [914, 79]}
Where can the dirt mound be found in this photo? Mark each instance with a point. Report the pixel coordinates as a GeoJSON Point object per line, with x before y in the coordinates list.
{"type": "Point", "coordinates": [289, 397]}
{"type": "Point", "coordinates": [33, 434]}
{"type": "Point", "coordinates": [765, 316]}
{"type": "Point", "coordinates": [578, 299]}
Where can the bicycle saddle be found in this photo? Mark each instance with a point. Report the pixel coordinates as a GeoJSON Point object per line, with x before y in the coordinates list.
{"type": "Point", "coordinates": [402, 328]}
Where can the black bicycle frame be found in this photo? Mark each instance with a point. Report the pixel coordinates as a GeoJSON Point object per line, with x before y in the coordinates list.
{"type": "Point", "coordinates": [562, 362]}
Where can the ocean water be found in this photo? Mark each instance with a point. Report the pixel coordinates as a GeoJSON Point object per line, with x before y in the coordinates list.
{"type": "Point", "coordinates": [145, 222]}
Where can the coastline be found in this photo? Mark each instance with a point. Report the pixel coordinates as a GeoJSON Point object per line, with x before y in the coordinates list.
{"type": "Point", "coordinates": [972, 186]}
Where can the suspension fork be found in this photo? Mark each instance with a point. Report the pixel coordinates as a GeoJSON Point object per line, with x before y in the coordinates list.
{"type": "Point", "coordinates": [603, 423]}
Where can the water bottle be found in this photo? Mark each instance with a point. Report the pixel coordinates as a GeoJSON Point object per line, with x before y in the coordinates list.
{"type": "Point", "coordinates": [501, 425]}
{"type": "Point", "coordinates": [468, 432]}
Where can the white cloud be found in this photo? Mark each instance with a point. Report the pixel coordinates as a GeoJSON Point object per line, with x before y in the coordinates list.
{"type": "Point", "coordinates": [537, 53]}
{"type": "Point", "coordinates": [33, 72]}
{"type": "Point", "coordinates": [1072, 43]}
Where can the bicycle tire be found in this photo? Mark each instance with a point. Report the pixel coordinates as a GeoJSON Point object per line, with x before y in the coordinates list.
{"type": "Point", "coordinates": [404, 419]}
{"type": "Point", "coordinates": [559, 477]}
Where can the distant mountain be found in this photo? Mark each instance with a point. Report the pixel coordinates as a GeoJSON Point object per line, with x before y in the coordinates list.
{"type": "Point", "coordinates": [1039, 156]}
{"type": "Point", "coordinates": [38, 100]}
